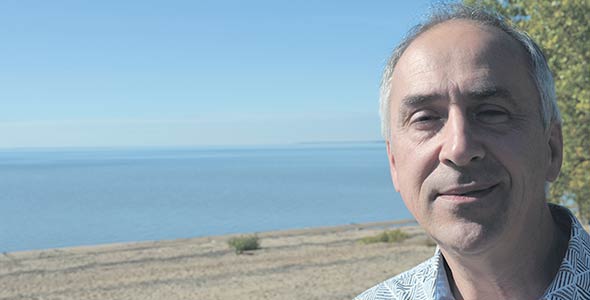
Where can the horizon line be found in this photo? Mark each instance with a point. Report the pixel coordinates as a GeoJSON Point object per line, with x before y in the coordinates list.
{"type": "Point", "coordinates": [179, 146]}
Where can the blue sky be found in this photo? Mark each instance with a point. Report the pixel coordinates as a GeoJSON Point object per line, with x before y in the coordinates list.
{"type": "Point", "coordinates": [191, 73]}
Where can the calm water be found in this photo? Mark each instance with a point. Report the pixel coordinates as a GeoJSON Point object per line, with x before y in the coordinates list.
{"type": "Point", "coordinates": [57, 198]}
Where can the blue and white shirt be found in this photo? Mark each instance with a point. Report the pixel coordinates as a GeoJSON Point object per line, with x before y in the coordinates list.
{"type": "Point", "coordinates": [428, 280]}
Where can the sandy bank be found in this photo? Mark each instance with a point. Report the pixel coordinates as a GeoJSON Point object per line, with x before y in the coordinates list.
{"type": "Point", "coordinates": [318, 263]}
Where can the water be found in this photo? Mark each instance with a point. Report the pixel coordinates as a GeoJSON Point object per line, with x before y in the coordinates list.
{"type": "Point", "coordinates": [59, 198]}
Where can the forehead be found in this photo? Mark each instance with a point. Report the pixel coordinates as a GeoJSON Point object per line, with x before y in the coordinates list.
{"type": "Point", "coordinates": [458, 56]}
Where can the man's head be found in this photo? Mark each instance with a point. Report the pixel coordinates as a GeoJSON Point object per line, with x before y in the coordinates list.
{"type": "Point", "coordinates": [469, 149]}
{"type": "Point", "coordinates": [536, 62]}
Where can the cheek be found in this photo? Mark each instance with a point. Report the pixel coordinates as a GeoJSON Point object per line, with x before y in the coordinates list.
{"type": "Point", "coordinates": [521, 154]}
{"type": "Point", "coordinates": [525, 160]}
{"type": "Point", "coordinates": [413, 167]}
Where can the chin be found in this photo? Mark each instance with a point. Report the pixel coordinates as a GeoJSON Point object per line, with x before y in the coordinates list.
{"type": "Point", "coordinates": [466, 238]}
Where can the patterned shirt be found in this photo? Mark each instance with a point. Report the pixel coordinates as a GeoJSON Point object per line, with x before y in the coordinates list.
{"type": "Point", "coordinates": [428, 280]}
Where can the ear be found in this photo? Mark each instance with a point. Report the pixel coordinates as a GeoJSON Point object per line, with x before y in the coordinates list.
{"type": "Point", "coordinates": [392, 168]}
{"type": "Point", "coordinates": [555, 152]}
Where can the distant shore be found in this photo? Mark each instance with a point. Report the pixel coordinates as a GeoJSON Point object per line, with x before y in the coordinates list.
{"type": "Point", "coordinates": [314, 263]}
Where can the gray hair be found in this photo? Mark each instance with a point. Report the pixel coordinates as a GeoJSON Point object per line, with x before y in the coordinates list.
{"type": "Point", "coordinates": [538, 67]}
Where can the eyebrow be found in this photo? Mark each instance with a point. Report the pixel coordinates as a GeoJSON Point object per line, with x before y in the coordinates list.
{"type": "Point", "coordinates": [489, 92]}
{"type": "Point", "coordinates": [477, 94]}
{"type": "Point", "coordinates": [417, 100]}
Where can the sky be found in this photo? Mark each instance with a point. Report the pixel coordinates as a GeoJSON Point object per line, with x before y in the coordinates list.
{"type": "Point", "coordinates": [194, 73]}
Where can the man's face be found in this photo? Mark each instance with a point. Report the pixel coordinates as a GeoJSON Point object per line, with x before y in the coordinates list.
{"type": "Point", "coordinates": [468, 151]}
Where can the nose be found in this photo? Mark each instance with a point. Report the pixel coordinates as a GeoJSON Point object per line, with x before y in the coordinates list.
{"type": "Point", "coordinates": [460, 145]}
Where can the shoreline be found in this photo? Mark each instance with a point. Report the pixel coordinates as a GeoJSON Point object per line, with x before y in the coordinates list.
{"type": "Point", "coordinates": [335, 228]}
{"type": "Point", "coordinates": [310, 263]}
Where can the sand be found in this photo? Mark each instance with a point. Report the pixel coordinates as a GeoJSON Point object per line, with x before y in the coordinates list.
{"type": "Point", "coordinates": [318, 263]}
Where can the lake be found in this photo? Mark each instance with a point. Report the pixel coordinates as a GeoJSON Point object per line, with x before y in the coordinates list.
{"type": "Point", "coordinates": [67, 197]}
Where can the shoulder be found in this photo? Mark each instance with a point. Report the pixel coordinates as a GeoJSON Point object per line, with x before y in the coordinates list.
{"type": "Point", "coordinates": [573, 278]}
{"type": "Point", "coordinates": [416, 283]}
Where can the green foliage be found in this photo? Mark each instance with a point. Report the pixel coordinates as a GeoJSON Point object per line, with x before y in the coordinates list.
{"type": "Point", "coordinates": [388, 236]}
{"type": "Point", "coordinates": [562, 30]}
{"type": "Point", "coordinates": [244, 243]}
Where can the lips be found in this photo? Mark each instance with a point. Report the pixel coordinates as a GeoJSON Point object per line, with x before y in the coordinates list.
{"type": "Point", "coordinates": [466, 193]}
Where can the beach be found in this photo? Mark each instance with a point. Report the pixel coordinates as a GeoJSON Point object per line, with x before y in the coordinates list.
{"type": "Point", "coordinates": [315, 263]}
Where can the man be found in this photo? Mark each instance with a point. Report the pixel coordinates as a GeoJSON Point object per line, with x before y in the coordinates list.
{"type": "Point", "coordinates": [473, 136]}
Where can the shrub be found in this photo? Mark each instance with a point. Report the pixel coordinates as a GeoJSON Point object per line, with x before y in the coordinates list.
{"type": "Point", "coordinates": [244, 243]}
{"type": "Point", "coordinates": [387, 236]}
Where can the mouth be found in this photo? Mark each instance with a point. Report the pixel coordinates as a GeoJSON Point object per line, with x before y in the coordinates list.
{"type": "Point", "coordinates": [466, 193]}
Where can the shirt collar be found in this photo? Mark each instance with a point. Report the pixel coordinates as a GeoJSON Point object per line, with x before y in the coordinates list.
{"type": "Point", "coordinates": [572, 277]}
{"type": "Point", "coordinates": [442, 289]}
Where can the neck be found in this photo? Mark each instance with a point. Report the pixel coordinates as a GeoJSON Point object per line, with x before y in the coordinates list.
{"type": "Point", "coordinates": [521, 268]}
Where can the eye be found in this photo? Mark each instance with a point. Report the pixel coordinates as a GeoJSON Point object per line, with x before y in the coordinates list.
{"type": "Point", "coordinates": [423, 116]}
{"type": "Point", "coordinates": [492, 115]}
{"type": "Point", "coordinates": [424, 119]}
